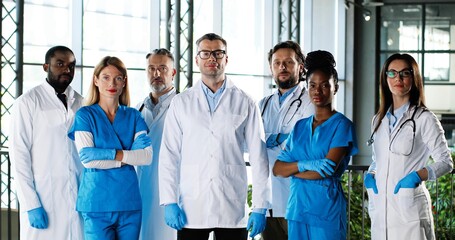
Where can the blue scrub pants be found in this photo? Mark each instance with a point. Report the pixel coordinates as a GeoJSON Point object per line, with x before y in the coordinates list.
{"type": "Point", "coordinates": [123, 225]}
{"type": "Point", "coordinates": [301, 231]}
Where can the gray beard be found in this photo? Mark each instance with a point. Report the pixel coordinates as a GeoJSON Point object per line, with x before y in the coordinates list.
{"type": "Point", "coordinates": [158, 88]}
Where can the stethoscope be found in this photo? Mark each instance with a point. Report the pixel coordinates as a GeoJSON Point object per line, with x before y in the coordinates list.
{"type": "Point", "coordinates": [297, 101]}
{"type": "Point", "coordinates": [411, 120]}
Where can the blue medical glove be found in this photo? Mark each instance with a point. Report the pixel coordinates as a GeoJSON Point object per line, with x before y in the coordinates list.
{"type": "Point", "coordinates": [271, 141]}
{"type": "Point", "coordinates": [282, 137]}
{"type": "Point", "coordinates": [38, 218]}
{"type": "Point", "coordinates": [370, 182]}
{"type": "Point", "coordinates": [174, 216]}
{"type": "Point", "coordinates": [411, 180]}
{"type": "Point", "coordinates": [89, 154]}
{"type": "Point", "coordinates": [276, 139]}
{"type": "Point", "coordinates": [256, 223]}
{"type": "Point", "coordinates": [142, 141]}
{"type": "Point", "coordinates": [323, 166]}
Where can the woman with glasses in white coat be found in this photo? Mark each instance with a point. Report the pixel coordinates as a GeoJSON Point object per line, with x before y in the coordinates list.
{"type": "Point", "coordinates": [405, 134]}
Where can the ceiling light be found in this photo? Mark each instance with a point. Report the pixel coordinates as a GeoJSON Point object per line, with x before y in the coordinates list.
{"type": "Point", "coordinates": [366, 12]}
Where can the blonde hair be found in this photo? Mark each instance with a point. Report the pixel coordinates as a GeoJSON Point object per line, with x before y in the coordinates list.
{"type": "Point", "coordinates": [93, 95]}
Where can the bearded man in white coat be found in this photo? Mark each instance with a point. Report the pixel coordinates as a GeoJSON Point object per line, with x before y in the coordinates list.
{"type": "Point", "coordinates": [202, 172]}
{"type": "Point", "coordinates": [280, 111]}
{"type": "Point", "coordinates": [160, 73]}
{"type": "Point", "coordinates": [45, 161]}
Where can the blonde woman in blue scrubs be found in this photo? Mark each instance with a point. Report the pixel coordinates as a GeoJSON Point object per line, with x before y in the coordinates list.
{"type": "Point", "coordinates": [110, 138]}
{"type": "Point", "coordinates": [316, 155]}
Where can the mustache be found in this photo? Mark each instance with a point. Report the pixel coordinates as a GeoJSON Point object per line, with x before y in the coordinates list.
{"type": "Point", "coordinates": [65, 74]}
{"type": "Point", "coordinates": [157, 79]}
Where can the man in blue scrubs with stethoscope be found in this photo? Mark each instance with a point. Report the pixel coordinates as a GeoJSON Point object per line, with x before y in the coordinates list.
{"type": "Point", "coordinates": [280, 111]}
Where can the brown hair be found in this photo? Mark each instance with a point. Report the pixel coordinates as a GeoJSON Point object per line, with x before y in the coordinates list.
{"type": "Point", "coordinates": [416, 95]}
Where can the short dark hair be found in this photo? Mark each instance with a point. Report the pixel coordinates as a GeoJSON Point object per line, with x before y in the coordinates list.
{"type": "Point", "coordinates": [51, 52]}
{"type": "Point", "coordinates": [161, 51]}
{"type": "Point", "coordinates": [291, 45]}
{"type": "Point", "coordinates": [211, 37]}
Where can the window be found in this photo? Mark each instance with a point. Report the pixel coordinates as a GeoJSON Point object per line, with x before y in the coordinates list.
{"type": "Point", "coordinates": [427, 32]}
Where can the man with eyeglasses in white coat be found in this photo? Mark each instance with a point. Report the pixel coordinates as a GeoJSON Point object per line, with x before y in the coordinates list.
{"type": "Point", "coordinates": [202, 172]}
{"type": "Point", "coordinates": [160, 73]}
{"type": "Point", "coordinates": [280, 111]}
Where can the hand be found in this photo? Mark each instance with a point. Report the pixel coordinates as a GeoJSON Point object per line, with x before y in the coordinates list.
{"type": "Point", "coordinates": [282, 137]}
{"type": "Point", "coordinates": [322, 166]}
{"type": "Point", "coordinates": [142, 141]}
{"type": "Point", "coordinates": [370, 182]}
{"type": "Point", "coordinates": [411, 180]}
{"type": "Point", "coordinates": [256, 223]}
{"type": "Point", "coordinates": [271, 141]}
{"type": "Point", "coordinates": [89, 154]}
{"type": "Point", "coordinates": [38, 218]}
{"type": "Point", "coordinates": [174, 216]}
{"type": "Point", "coordinates": [276, 139]}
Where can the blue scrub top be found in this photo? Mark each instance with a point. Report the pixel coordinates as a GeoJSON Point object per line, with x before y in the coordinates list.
{"type": "Point", "coordinates": [116, 189]}
{"type": "Point", "coordinates": [319, 203]}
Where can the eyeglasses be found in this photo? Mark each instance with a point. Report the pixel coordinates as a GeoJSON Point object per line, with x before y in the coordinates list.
{"type": "Point", "coordinates": [205, 54]}
{"type": "Point", "coordinates": [161, 69]}
{"type": "Point", "coordinates": [406, 73]}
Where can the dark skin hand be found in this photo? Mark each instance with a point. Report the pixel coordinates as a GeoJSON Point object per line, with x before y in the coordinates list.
{"type": "Point", "coordinates": [285, 169]}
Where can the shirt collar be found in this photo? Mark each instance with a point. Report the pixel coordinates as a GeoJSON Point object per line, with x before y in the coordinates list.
{"type": "Point", "coordinates": [149, 103]}
{"type": "Point", "coordinates": [397, 113]}
{"type": "Point", "coordinates": [209, 92]}
{"type": "Point", "coordinates": [283, 96]}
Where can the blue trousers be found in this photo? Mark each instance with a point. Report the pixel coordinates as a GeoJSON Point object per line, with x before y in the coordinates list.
{"type": "Point", "coordinates": [301, 231]}
{"type": "Point", "coordinates": [124, 225]}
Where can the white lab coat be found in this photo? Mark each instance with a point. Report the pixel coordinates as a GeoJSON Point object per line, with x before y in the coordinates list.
{"type": "Point", "coordinates": [407, 214]}
{"type": "Point", "coordinates": [280, 119]}
{"type": "Point", "coordinates": [201, 158]}
{"type": "Point", "coordinates": [45, 162]}
{"type": "Point", "coordinates": [153, 224]}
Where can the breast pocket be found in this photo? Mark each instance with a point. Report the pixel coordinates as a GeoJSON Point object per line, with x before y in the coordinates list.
{"type": "Point", "coordinates": [229, 127]}
{"type": "Point", "coordinates": [403, 140]}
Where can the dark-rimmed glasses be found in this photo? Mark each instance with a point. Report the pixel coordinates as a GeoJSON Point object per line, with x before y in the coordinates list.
{"type": "Point", "coordinates": [205, 54]}
{"type": "Point", "coordinates": [405, 73]}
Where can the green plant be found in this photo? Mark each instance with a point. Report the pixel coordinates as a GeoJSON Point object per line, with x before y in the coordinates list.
{"type": "Point", "coordinates": [249, 196]}
{"type": "Point", "coordinates": [358, 219]}
{"type": "Point", "coordinates": [443, 205]}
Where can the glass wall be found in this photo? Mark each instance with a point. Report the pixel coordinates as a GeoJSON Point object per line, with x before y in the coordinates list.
{"type": "Point", "coordinates": [122, 28]}
{"type": "Point", "coordinates": [427, 32]}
